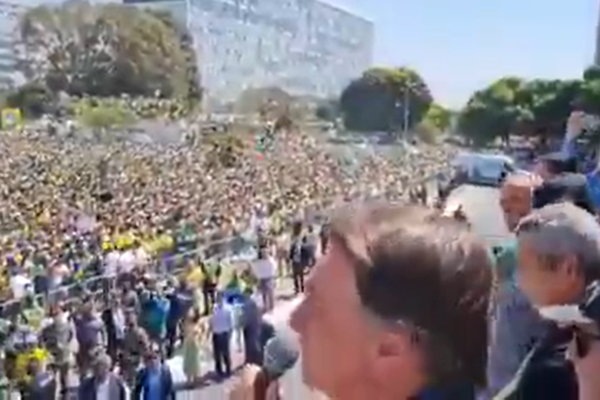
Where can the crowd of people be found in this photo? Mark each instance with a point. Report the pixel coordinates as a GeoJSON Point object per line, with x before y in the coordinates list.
{"type": "Point", "coordinates": [132, 244]}
{"type": "Point", "coordinates": [412, 303]}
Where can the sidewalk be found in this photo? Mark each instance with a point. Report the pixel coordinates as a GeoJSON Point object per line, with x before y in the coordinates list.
{"type": "Point", "coordinates": [284, 305]}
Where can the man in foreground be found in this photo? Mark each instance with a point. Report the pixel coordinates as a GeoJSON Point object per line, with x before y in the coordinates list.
{"type": "Point", "coordinates": [397, 307]}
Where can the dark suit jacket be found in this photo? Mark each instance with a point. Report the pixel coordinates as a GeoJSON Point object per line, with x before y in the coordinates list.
{"type": "Point", "coordinates": [167, 384]}
{"type": "Point", "coordinates": [546, 372]}
{"type": "Point", "coordinates": [301, 253]}
{"type": "Point", "coordinates": [109, 323]}
{"type": "Point", "coordinates": [43, 387]}
{"type": "Point", "coordinates": [564, 187]}
{"type": "Point", "coordinates": [87, 388]}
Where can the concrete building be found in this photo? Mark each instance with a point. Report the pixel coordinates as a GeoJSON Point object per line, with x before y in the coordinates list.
{"type": "Point", "coordinates": [9, 14]}
{"type": "Point", "coordinates": [597, 42]}
{"type": "Point", "coordinates": [306, 47]}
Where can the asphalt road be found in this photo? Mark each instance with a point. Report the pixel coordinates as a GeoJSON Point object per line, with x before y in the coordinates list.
{"type": "Point", "coordinates": [482, 208]}
{"type": "Point", "coordinates": [292, 385]}
{"type": "Point", "coordinates": [481, 205]}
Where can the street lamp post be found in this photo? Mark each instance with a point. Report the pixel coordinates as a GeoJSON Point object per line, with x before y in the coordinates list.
{"type": "Point", "coordinates": [406, 112]}
{"type": "Point", "coordinates": [394, 124]}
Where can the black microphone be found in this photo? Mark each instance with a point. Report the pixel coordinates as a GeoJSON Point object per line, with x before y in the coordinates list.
{"type": "Point", "coordinates": [281, 353]}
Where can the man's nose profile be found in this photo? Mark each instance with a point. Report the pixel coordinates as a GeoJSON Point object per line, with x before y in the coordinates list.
{"type": "Point", "coordinates": [397, 307]}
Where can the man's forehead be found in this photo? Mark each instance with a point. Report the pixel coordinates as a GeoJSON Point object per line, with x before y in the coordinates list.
{"type": "Point", "coordinates": [520, 179]}
{"type": "Point", "coordinates": [519, 182]}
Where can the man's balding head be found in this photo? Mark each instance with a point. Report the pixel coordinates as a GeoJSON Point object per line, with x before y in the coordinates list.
{"type": "Point", "coordinates": [515, 197]}
{"type": "Point", "coordinates": [522, 180]}
{"type": "Point", "coordinates": [559, 253]}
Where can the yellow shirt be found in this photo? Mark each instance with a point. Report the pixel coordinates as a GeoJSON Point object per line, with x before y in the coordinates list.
{"type": "Point", "coordinates": [4, 287]}
{"type": "Point", "coordinates": [23, 360]}
{"type": "Point", "coordinates": [125, 240]}
{"type": "Point", "coordinates": [164, 243]}
{"type": "Point", "coordinates": [195, 276]}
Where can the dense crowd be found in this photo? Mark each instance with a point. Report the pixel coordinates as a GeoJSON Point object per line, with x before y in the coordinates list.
{"type": "Point", "coordinates": [139, 222]}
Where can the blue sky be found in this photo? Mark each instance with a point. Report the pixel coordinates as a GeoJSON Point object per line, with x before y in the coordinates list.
{"type": "Point", "coordinates": [459, 46]}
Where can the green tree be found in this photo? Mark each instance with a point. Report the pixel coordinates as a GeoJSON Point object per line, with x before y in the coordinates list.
{"type": "Point", "coordinates": [438, 117]}
{"type": "Point", "coordinates": [548, 104]}
{"type": "Point", "coordinates": [266, 100]}
{"type": "Point", "coordinates": [381, 97]}
{"type": "Point", "coordinates": [224, 150]}
{"type": "Point", "coordinates": [592, 73]}
{"type": "Point", "coordinates": [494, 112]}
{"type": "Point", "coordinates": [32, 99]}
{"type": "Point", "coordinates": [104, 116]}
{"type": "Point", "coordinates": [186, 43]}
{"type": "Point", "coordinates": [428, 132]}
{"type": "Point", "coordinates": [104, 50]}
{"type": "Point", "coordinates": [328, 110]}
{"type": "Point", "coordinates": [589, 98]}
{"type": "Point", "coordinates": [537, 107]}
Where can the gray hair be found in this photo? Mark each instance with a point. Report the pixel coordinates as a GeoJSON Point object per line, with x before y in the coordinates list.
{"type": "Point", "coordinates": [561, 230]}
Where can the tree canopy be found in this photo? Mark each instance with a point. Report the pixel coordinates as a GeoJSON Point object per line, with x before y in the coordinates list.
{"type": "Point", "coordinates": [537, 107]}
{"type": "Point", "coordinates": [103, 116]}
{"type": "Point", "coordinates": [32, 99]}
{"type": "Point", "coordinates": [436, 121]}
{"type": "Point", "coordinates": [262, 100]}
{"type": "Point", "coordinates": [378, 100]}
{"type": "Point", "coordinates": [438, 117]}
{"type": "Point", "coordinates": [108, 50]}
{"type": "Point", "coordinates": [328, 110]}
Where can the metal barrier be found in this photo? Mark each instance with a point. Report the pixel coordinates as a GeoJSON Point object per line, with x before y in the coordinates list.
{"type": "Point", "coordinates": [230, 249]}
{"type": "Point", "coordinates": [239, 247]}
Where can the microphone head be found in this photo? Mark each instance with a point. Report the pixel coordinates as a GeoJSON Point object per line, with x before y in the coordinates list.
{"type": "Point", "coordinates": [280, 354]}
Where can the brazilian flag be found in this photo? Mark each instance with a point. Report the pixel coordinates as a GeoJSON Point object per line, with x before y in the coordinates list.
{"type": "Point", "coordinates": [262, 142]}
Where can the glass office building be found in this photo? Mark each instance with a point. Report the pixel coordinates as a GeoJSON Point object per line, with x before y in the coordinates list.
{"type": "Point", "coordinates": [597, 42]}
{"type": "Point", "coordinates": [306, 47]}
{"type": "Point", "coordinates": [9, 14]}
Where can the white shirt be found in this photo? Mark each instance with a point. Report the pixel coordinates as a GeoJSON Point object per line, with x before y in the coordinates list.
{"type": "Point", "coordinates": [222, 319]}
{"type": "Point", "coordinates": [111, 262]}
{"type": "Point", "coordinates": [18, 286]}
{"type": "Point", "coordinates": [264, 268]}
{"type": "Point", "coordinates": [127, 261]}
{"type": "Point", "coordinates": [141, 257]}
{"type": "Point", "coordinates": [102, 390]}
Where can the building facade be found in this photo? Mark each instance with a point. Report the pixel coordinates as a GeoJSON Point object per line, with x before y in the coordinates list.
{"type": "Point", "coordinates": [306, 47]}
{"type": "Point", "coordinates": [9, 15]}
{"type": "Point", "coordinates": [597, 41]}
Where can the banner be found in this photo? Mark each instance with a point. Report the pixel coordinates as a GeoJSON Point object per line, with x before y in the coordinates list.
{"type": "Point", "coordinates": [11, 118]}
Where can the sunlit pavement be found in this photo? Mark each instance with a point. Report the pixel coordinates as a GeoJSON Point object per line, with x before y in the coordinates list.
{"type": "Point", "coordinates": [211, 389]}
{"type": "Point", "coordinates": [278, 317]}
